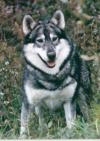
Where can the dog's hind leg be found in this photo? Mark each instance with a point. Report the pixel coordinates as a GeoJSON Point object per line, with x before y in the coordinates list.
{"type": "Point", "coordinates": [25, 114]}
{"type": "Point", "coordinates": [83, 104]}
{"type": "Point", "coordinates": [70, 114]}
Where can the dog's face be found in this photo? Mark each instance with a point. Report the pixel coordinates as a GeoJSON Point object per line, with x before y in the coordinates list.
{"type": "Point", "coordinates": [45, 44]}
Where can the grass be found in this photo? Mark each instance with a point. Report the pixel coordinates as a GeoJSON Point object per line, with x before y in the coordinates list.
{"type": "Point", "coordinates": [11, 68]}
{"type": "Point", "coordinates": [57, 129]}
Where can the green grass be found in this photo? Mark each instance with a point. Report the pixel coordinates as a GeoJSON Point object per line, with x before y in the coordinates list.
{"type": "Point", "coordinates": [57, 129]}
{"type": "Point", "coordinates": [11, 79]}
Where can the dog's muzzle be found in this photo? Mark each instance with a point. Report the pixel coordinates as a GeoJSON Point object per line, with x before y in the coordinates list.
{"type": "Point", "coordinates": [51, 58]}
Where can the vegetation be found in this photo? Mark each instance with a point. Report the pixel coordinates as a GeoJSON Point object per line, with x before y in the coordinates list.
{"type": "Point", "coordinates": [84, 28]}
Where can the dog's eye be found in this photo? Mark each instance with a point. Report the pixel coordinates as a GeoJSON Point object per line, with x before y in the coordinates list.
{"type": "Point", "coordinates": [40, 41]}
{"type": "Point", "coordinates": [55, 39]}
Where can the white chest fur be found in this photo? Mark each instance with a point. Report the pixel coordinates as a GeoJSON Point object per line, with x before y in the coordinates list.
{"type": "Point", "coordinates": [52, 99]}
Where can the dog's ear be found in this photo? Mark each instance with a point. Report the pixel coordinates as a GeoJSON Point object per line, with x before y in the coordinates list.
{"type": "Point", "coordinates": [58, 19]}
{"type": "Point", "coordinates": [28, 24]}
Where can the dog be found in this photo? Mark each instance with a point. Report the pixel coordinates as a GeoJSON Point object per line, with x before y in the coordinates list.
{"type": "Point", "coordinates": [55, 75]}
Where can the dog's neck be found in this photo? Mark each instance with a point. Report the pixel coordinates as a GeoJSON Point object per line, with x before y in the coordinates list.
{"type": "Point", "coordinates": [52, 82]}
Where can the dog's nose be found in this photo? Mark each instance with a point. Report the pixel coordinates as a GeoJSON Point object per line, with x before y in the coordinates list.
{"type": "Point", "coordinates": [51, 55]}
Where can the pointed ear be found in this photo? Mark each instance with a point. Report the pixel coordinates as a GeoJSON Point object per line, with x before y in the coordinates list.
{"type": "Point", "coordinates": [58, 19]}
{"type": "Point", "coordinates": [28, 24]}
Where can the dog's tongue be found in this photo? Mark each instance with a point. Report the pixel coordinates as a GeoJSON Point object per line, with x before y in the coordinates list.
{"type": "Point", "coordinates": [51, 64]}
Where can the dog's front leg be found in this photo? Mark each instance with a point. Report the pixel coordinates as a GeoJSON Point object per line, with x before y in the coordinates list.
{"type": "Point", "coordinates": [25, 113]}
{"type": "Point", "coordinates": [42, 124]}
{"type": "Point", "coordinates": [70, 114]}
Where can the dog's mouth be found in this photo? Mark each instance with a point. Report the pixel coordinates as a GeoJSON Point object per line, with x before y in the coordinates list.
{"type": "Point", "coordinates": [50, 63]}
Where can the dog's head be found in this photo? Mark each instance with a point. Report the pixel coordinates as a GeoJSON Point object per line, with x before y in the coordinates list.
{"type": "Point", "coordinates": [45, 44]}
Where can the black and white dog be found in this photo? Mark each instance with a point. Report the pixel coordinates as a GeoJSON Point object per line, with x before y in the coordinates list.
{"type": "Point", "coordinates": [55, 75]}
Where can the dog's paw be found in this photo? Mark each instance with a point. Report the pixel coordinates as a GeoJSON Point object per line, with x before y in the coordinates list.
{"type": "Point", "coordinates": [23, 136]}
{"type": "Point", "coordinates": [43, 129]}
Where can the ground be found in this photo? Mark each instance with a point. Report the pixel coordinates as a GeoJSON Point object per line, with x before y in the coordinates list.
{"type": "Point", "coordinates": [83, 28]}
